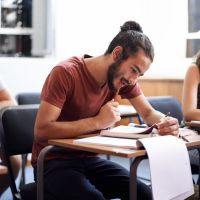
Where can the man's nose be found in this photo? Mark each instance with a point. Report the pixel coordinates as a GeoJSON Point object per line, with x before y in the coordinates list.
{"type": "Point", "coordinates": [133, 77]}
{"type": "Point", "coordinates": [131, 81]}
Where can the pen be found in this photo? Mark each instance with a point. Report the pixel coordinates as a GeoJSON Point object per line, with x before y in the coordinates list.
{"type": "Point", "coordinates": [155, 125]}
{"type": "Point", "coordinates": [167, 114]}
{"type": "Point", "coordinates": [116, 95]}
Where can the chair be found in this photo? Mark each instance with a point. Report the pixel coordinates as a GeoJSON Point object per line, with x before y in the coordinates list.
{"type": "Point", "coordinates": [170, 104]}
{"type": "Point", "coordinates": [26, 98]}
{"type": "Point", "coordinates": [16, 136]}
{"type": "Point", "coordinates": [166, 104]}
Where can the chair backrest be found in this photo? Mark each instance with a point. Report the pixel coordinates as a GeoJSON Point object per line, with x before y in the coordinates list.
{"type": "Point", "coordinates": [28, 98]}
{"type": "Point", "coordinates": [16, 135]}
{"type": "Point", "coordinates": [167, 104]}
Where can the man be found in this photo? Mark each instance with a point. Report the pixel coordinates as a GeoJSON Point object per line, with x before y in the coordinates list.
{"type": "Point", "coordinates": [7, 100]}
{"type": "Point", "coordinates": [77, 99]}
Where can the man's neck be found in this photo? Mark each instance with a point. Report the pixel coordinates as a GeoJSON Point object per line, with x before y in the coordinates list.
{"type": "Point", "coordinates": [98, 67]}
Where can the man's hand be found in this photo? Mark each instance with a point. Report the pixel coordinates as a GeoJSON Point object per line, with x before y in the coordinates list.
{"type": "Point", "coordinates": [108, 115]}
{"type": "Point", "coordinates": [168, 126]}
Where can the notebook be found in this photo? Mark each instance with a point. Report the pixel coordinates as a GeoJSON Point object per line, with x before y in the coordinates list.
{"type": "Point", "coordinates": [134, 132]}
{"type": "Point", "coordinates": [110, 141]}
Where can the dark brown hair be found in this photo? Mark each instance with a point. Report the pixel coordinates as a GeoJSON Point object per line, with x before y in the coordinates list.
{"type": "Point", "coordinates": [131, 39]}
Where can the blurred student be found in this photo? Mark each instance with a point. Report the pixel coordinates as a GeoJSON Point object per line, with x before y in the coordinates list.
{"type": "Point", "coordinates": [7, 100]}
{"type": "Point", "coordinates": [191, 101]}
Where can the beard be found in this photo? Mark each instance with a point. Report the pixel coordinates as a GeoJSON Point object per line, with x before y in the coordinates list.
{"type": "Point", "coordinates": [112, 73]}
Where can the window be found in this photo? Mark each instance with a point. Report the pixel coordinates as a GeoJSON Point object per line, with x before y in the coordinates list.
{"type": "Point", "coordinates": [193, 40]}
{"type": "Point", "coordinates": [23, 27]}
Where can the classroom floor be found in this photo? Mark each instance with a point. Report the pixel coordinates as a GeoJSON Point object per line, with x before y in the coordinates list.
{"type": "Point", "coordinates": [143, 171]}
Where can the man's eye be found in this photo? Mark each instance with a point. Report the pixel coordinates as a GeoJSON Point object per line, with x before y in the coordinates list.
{"type": "Point", "coordinates": [135, 71]}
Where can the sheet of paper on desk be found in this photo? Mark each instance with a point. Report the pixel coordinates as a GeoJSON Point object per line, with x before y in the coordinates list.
{"type": "Point", "coordinates": [109, 141]}
{"type": "Point", "coordinates": [170, 170]}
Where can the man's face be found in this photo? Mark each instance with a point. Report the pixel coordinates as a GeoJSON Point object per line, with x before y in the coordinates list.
{"type": "Point", "coordinates": [126, 72]}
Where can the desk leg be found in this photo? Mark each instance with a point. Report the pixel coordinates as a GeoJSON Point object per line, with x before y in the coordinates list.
{"type": "Point", "coordinates": [133, 177]}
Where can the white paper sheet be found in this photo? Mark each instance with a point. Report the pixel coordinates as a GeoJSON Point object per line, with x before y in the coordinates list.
{"type": "Point", "coordinates": [109, 141]}
{"type": "Point", "coordinates": [170, 169]}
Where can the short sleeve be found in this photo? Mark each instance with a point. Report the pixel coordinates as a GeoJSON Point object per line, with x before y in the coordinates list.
{"type": "Point", "coordinates": [58, 86]}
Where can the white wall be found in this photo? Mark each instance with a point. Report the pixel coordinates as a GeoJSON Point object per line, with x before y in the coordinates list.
{"type": "Point", "coordinates": [88, 27]}
{"type": "Point", "coordinates": [96, 22]}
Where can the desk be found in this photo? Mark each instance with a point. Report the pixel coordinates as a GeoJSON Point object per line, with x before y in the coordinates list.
{"type": "Point", "coordinates": [139, 155]}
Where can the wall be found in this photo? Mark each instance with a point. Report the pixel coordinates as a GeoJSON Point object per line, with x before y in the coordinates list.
{"type": "Point", "coordinates": [25, 74]}
{"type": "Point", "coordinates": [156, 87]}
{"type": "Point", "coordinates": [96, 22]}
{"type": "Point", "coordinates": [159, 87]}
{"type": "Point", "coordinates": [88, 27]}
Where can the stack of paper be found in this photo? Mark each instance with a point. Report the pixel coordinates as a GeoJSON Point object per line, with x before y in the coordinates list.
{"type": "Point", "coordinates": [108, 141]}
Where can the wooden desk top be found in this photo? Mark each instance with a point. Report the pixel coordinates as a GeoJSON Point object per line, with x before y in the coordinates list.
{"type": "Point", "coordinates": [108, 150]}
{"type": "Point", "coordinates": [3, 169]}
{"type": "Point", "coordinates": [101, 149]}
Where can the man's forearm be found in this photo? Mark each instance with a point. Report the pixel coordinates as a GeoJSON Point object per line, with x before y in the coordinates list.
{"type": "Point", "coordinates": [66, 129]}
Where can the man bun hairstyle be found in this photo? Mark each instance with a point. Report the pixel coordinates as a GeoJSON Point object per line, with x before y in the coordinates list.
{"type": "Point", "coordinates": [131, 39]}
{"type": "Point", "coordinates": [131, 25]}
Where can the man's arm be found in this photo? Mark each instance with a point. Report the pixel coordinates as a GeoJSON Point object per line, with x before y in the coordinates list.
{"type": "Point", "coordinates": [166, 125]}
{"type": "Point", "coordinates": [47, 127]}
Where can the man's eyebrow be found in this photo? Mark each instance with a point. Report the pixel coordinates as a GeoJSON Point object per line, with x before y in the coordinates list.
{"type": "Point", "coordinates": [138, 70]}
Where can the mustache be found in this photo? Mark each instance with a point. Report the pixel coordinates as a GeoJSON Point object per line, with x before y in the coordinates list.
{"type": "Point", "coordinates": [126, 82]}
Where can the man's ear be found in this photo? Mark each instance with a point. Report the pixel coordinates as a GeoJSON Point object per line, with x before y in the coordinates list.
{"type": "Point", "coordinates": [116, 53]}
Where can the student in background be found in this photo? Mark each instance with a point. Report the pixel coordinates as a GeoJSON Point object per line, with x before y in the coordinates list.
{"type": "Point", "coordinates": [7, 100]}
{"type": "Point", "coordinates": [78, 97]}
{"type": "Point", "coordinates": [191, 101]}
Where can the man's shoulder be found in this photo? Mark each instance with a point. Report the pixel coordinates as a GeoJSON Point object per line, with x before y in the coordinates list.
{"type": "Point", "coordinates": [71, 62]}
{"type": "Point", "coordinates": [71, 67]}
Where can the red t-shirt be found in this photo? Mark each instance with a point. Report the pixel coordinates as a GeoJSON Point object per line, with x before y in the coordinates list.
{"type": "Point", "coordinates": [72, 88]}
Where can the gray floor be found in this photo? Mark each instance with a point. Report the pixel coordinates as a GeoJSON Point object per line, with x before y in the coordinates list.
{"type": "Point", "coordinates": [143, 172]}
{"type": "Point", "coordinates": [29, 177]}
